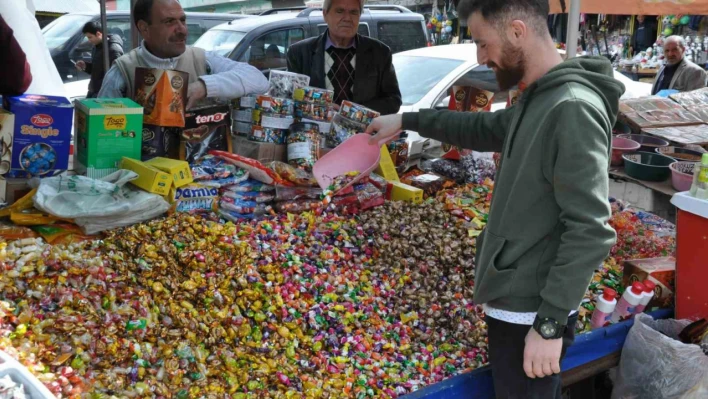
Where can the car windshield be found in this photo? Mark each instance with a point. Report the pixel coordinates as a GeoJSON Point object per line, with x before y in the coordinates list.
{"type": "Point", "coordinates": [221, 42]}
{"type": "Point", "coordinates": [63, 29]}
{"type": "Point", "coordinates": [418, 75]}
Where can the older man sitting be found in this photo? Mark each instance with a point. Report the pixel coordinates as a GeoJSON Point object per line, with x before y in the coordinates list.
{"type": "Point", "coordinates": [678, 73]}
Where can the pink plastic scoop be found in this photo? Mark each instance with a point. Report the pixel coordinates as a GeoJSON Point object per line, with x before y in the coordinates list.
{"type": "Point", "coordinates": [355, 154]}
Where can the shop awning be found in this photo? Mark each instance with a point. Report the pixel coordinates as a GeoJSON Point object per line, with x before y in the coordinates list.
{"type": "Point", "coordinates": [66, 6]}
{"type": "Point", "coordinates": [635, 7]}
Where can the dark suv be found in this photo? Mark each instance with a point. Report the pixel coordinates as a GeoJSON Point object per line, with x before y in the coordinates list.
{"type": "Point", "coordinates": [263, 41]}
{"type": "Point", "coordinates": [67, 44]}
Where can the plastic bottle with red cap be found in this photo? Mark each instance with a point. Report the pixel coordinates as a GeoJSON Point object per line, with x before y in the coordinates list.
{"type": "Point", "coordinates": [603, 308]}
{"type": "Point", "coordinates": [629, 301]}
{"type": "Point", "coordinates": [647, 295]}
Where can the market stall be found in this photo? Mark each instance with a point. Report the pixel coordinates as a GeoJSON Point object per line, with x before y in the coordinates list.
{"type": "Point", "coordinates": [216, 250]}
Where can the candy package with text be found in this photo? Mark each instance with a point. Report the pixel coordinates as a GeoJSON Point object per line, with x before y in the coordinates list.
{"type": "Point", "coordinates": [256, 196]}
{"type": "Point", "coordinates": [255, 169]}
{"type": "Point", "coordinates": [208, 127]}
{"type": "Point", "coordinates": [243, 206]}
{"type": "Point", "coordinates": [194, 198]}
{"type": "Point", "coordinates": [163, 96]}
{"type": "Point", "coordinates": [465, 98]}
{"type": "Point", "coordinates": [250, 185]}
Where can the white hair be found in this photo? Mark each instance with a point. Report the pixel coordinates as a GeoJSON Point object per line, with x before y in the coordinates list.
{"type": "Point", "coordinates": [676, 39]}
{"type": "Point", "coordinates": [328, 4]}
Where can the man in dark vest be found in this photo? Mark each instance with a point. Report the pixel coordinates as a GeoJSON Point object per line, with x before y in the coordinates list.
{"type": "Point", "coordinates": [357, 68]}
{"type": "Point", "coordinates": [162, 24]}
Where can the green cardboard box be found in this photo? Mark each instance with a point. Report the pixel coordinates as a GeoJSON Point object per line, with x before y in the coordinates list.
{"type": "Point", "coordinates": [106, 130]}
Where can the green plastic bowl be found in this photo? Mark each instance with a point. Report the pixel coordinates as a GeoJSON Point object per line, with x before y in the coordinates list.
{"type": "Point", "coordinates": [647, 166]}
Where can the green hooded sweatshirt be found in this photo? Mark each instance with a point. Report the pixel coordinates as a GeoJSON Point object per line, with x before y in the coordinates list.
{"type": "Point", "coordinates": [548, 225]}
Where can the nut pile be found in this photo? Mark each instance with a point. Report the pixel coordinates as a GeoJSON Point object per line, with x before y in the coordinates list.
{"type": "Point", "coordinates": [293, 306]}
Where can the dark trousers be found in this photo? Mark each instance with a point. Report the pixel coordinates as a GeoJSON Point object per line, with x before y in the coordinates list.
{"type": "Point", "coordinates": [506, 356]}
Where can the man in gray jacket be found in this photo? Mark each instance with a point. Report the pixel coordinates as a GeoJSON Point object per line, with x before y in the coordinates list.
{"type": "Point", "coordinates": [678, 73]}
{"type": "Point", "coordinates": [162, 23]}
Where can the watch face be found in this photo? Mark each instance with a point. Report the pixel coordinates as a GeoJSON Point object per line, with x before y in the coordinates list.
{"type": "Point", "coordinates": [548, 329]}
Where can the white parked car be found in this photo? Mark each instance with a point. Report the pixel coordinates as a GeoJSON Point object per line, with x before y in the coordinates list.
{"type": "Point", "coordinates": [425, 76]}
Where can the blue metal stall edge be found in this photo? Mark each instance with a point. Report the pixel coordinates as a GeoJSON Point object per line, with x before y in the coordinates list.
{"type": "Point", "coordinates": [588, 347]}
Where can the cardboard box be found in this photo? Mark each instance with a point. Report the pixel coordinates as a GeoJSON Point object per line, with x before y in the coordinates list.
{"type": "Point", "coordinates": [42, 135]}
{"type": "Point", "coordinates": [661, 271]}
{"type": "Point", "coordinates": [162, 94]}
{"type": "Point", "coordinates": [149, 178]}
{"type": "Point", "coordinates": [386, 167]}
{"type": "Point", "coordinates": [179, 170]}
{"type": "Point", "coordinates": [397, 191]}
{"type": "Point", "coordinates": [106, 131]}
{"type": "Point", "coordinates": [14, 189]}
{"type": "Point", "coordinates": [261, 152]}
{"type": "Point", "coordinates": [160, 141]}
{"type": "Point", "coordinates": [208, 127]}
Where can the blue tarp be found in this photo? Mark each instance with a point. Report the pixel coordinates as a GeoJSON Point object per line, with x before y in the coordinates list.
{"type": "Point", "coordinates": [588, 347]}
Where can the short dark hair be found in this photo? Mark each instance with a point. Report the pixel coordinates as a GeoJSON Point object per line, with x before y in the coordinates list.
{"type": "Point", "coordinates": [535, 12]}
{"type": "Point", "coordinates": [142, 11]}
{"type": "Point", "coordinates": [92, 27]}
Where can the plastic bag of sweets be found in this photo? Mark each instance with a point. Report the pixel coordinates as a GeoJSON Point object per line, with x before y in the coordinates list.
{"type": "Point", "coordinates": [303, 145]}
{"type": "Point", "coordinates": [235, 217]}
{"type": "Point", "coordinates": [256, 170]}
{"type": "Point", "coordinates": [250, 185]}
{"type": "Point", "coordinates": [243, 206]}
{"type": "Point", "coordinates": [293, 175]}
{"type": "Point", "coordinates": [296, 193]}
{"type": "Point", "coordinates": [255, 196]}
{"type": "Point", "coordinates": [357, 112]}
{"type": "Point", "coordinates": [210, 167]}
{"type": "Point", "coordinates": [369, 196]}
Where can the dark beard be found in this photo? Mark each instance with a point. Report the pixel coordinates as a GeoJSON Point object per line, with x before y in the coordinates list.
{"type": "Point", "coordinates": [512, 67]}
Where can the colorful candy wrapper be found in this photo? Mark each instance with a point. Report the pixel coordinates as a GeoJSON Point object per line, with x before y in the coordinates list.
{"type": "Point", "coordinates": [314, 95]}
{"type": "Point", "coordinates": [255, 196]}
{"type": "Point", "coordinates": [358, 113]}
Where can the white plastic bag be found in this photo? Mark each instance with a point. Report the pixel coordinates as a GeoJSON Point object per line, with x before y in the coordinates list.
{"type": "Point", "coordinates": [655, 364]}
{"type": "Point", "coordinates": [98, 205]}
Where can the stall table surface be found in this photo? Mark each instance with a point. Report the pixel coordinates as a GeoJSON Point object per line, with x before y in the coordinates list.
{"type": "Point", "coordinates": [592, 353]}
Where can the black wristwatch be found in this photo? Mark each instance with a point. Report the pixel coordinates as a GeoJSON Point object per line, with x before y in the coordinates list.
{"type": "Point", "coordinates": [548, 328]}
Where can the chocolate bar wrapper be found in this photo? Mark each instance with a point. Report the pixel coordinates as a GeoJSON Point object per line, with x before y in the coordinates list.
{"type": "Point", "coordinates": [357, 113]}
{"type": "Point", "coordinates": [162, 94]}
{"type": "Point", "coordinates": [431, 184]}
{"type": "Point", "coordinates": [208, 127]}
{"type": "Point", "coordinates": [314, 95]}
{"type": "Point", "coordinates": [283, 84]}
{"type": "Point", "coordinates": [268, 135]}
{"type": "Point", "coordinates": [275, 105]}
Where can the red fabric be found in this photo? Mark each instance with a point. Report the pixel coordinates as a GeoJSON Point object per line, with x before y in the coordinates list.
{"type": "Point", "coordinates": [15, 74]}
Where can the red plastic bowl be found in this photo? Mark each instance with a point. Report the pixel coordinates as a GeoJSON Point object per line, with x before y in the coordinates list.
{"type": "Point", "coordinates": [620, 146]}
{"type": "Point", "coordinates": [682, 175]}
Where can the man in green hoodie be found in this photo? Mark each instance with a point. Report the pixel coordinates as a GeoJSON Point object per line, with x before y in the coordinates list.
{"type": "Point", "coordinates": [548, 224]}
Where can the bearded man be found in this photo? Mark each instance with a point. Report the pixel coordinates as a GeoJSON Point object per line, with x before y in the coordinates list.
{"type": "Point", "coordinates": [548, 227]}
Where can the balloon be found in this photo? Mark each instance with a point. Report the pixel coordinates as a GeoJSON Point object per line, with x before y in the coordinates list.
{"type": "Point", "coordinates": [434, 21]}
{"type": "Point", "coordinates": [449, 23]}
{"type": "Point", "coordinates": [668, 32]}
{"type": "Point", "coordinates": [448, 29]}
{"type": "Point", "coordinates": [674, 21]}
{"type": "Point", "coordinates": [430, 26]}
{"type": "Point", "coordinates": [685, 20]}
{"type": "Point", "coordinates": [440, 24]}
{"type": "Point", "coordinates": [439, 17]}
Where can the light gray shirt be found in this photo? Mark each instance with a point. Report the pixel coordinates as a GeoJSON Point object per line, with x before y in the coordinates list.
{"type": "Point", "coordinates": [228, 78]}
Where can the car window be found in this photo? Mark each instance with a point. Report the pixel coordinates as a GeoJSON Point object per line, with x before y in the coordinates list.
{"type": "Point", "coordinates": [194, 32]}
{"type": "Point", "coordinates": [363, 29]}
{"type": "Point", "coordinates": [63, 29]}
{"type": "Point", "coordinates": [270, 50]}
{"type": "Point", "coordinates": [402, 35]}
{"type": "Point", "coordinates": [121, 27]}
{"type": "Point", "coordinates": [222, 42]}
{"type": "Point", "coordinates": [418, 75]}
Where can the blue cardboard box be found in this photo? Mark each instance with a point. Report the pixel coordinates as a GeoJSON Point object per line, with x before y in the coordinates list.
{"type": "Point", "coordinates": [42, 135]}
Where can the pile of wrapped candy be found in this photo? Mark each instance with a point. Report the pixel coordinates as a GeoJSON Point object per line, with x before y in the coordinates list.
{"type": "Point", "coordinates": [287, 306]}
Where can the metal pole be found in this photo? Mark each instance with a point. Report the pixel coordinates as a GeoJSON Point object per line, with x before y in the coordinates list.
{"type": "Point", "coordinates": [571, 43]}
{"type": "Point", "coordinates": [104, 26]}
{"type": "Point", "coordinates": [134, 34]}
